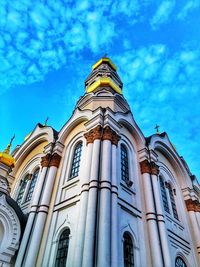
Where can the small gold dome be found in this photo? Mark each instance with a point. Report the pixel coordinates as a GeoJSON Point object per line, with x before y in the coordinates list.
{"type": "Point", "coordinates": [6, 158]}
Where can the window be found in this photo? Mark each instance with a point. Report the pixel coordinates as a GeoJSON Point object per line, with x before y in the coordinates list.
{"type": "Point", "coordinates": [76, 161]}
{"type": "Point", "coordinates": [62, 251]}
{"type": "Point", "coordinates": [124, 164]}
{"type": "Point", "coordinates": [179, 262]}
{"type": "Point", "coordinates": [22, 189]}
{"type": "Point", "coordinates": [173, 204]}
{"type": "Point", "coordinates": [164, 195]}
{"type": "Point", "coordinates": [128, 250]}
{"type": "Point", "coordinates": [32, 185]}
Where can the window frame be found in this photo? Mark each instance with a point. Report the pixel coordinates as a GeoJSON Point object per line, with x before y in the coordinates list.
{"type": "Point", "coordinates": [72, 173]}
{"type": "Point", "coordinates": [23, 181]}
{"type": "Point", "coordinates": [63, 249]}
{"type": "Point", "coordinates": [124, 163]}
{"type": "Point", "coordinates": [31, 187]}
{"type": "Point", "coordinates": [129, 259]}
{"type": "Point", "coordinates": [171, 200]}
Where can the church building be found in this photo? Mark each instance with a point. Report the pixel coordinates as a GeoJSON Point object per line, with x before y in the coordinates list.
{"type": "Point", "coordinates": [98, 193]}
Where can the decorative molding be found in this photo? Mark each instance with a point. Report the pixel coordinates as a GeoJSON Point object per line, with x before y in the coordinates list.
{"type": "Point", "coordinates": [149, 167]}
{"type": "Point", "coordinates": [145, 166]}
{"type": "Point", "coordinates": [101, 133]}
{"type": "Point", "coordinates": [55, 160]}
{"type": "Point", "coordinates": [192, 205]}
{"type": "Point", "coordinates": [51, 160]}
{"type": "Point", "coordinates": [45, 160]}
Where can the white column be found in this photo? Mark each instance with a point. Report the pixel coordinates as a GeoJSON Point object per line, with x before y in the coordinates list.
{"type": "Point", "coordinates": [104, 237]}
{"type": "Point", "coordinates": [36, 237]}
{"type": "Point", "coordinates": [151, 222]}
{"type": "Point", "coordinates": [80, 234]}
{"type": "Point", "coordinates": [89, 243]}
{"type": "Point", "coordinates": [196, 232]}
{"type": "Point", "coordinates": [114, 213]}
{"type": "Point", "coordinates": [198, 218]}
{"type": "Point", "coordinates": [31, 217]}
{"type": "Point", "coordinates": [161, 223]}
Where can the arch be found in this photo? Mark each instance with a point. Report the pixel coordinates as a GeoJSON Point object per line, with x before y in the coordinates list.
{"type": "Point", "coordinates": [39, 135]}
{"type": "Point", "coordinates": [180, 262]}
{"type": "Point", "coordinates": [131, 126]}
{"type": "Point", "coordinates": [162, 144]}
{"type": "Point", "coordinates": [10, 230]}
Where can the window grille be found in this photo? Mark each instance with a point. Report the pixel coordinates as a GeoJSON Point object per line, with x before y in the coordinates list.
{"type": "Point", "coordinates": [179, 262]}
{"type": "Point", "coordinates": [22, 189]}
{"type": "Point", "coordinates": [62, 250]}
{"type": "Point", "coordinates": [124, 164]}
{"type": "Point", "coordinates": [76, 161]}
{"type": "Point", "coordinates": [164, 195]}
{"type": "Point", "coordinates": [174, 210]}
{"type": "Point", "coordinates": [128, 251]}
{"type": "Point", "coordinates": [32, 185]}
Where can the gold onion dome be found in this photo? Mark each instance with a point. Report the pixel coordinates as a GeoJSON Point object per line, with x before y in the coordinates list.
{"type": "Point", "coordinates": [6, 158]}
{"type": "Point", "coordinates": [104, 73]}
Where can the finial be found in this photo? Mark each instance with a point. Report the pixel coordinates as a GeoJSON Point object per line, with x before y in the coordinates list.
{"type": "Point", "coordinates": [157, 128]}
{"type": "Point", "coordinates": [105, 55]}
{"type": "Point", "coordinates": [7, 150]}
{"type": "Point", "coordinates": [45, 123]}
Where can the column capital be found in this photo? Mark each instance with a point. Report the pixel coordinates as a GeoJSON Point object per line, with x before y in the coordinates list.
{"type": "Point", "coordinates": [55, 160]}
{"type": "Point", "coordinates": [145, 166]}
{"type": "Point", "coordinates": [192, 205]}
{"type": "Point", "coordinates": [50, 160]}
{"type": "Point", "coordinates": [149, 167]}
{"type": "Point", "coordinates": [101, 133]}
{"type": "Point", "coordinates": [45, 160]}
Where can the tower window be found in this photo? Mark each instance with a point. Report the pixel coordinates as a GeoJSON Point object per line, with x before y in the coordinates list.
{"type": "Point", "coordinates": [124, 164]}
{"type": "Point", "coordinates": [128, 250]}
{"type": "Point", "coordinates": [32, 185]}
{"type": "Point", "coordinates": [62, 250]}
{"type": "Point", "coordinates": [173, 204]}
{"type": "Point", "coordinates": [22, 189]}
{"type": "Point", "coordinates": [164, 195]}
{"type": "Point", "coordinates": [76, 160]}
{"type": "Point", "coordinates": [179, 262]}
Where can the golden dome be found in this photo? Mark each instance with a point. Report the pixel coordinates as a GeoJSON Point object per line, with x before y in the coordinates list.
{"type": "Point", "coordinates": [6, 158]}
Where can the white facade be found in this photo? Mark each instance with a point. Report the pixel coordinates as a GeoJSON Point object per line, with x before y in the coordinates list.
{"type": "Point", "coordinates": [104, 195]}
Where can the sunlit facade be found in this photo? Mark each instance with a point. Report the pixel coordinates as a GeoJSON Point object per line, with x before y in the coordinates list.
{"type": "Point", "coordinates": [98, 193]}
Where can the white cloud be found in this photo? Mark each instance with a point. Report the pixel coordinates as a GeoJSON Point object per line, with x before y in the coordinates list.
{"type": "Point", "coordinates": [163, 13]}
{"type": "Point", "coordinates": [188, 7]}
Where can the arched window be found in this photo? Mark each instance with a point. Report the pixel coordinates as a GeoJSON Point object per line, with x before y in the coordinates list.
{"type": "Point", "coordinates": [179, 262]}
{"type": "Point", "coordinates": [76, 161]}
{"type": "Point", "coordinates": [124, 164]}
{"type": "Point", "coordinates": [128, 250]}
{"type": "Point", "coordinates": [32, 185]}
{"type": "Point", "coordinates": [164, 195]}
{"type": "Point", "coordinates": [22, 189]}
{"type": "Point", "coordinates": [63, 244]}
{"type": "Point", "coordinates": [173, 204]}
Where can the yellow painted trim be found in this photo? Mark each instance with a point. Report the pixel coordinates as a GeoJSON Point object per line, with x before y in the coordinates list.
{"type": "Point", "coordinates": [104, 81]}
{"type": "Point", "coordinates": [104, 60]}
{"type": "Point", "coordinates": [7, 159]}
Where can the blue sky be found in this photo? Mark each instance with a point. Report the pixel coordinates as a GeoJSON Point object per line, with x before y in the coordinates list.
{"type": "Point", "coordinates": [47, 50]}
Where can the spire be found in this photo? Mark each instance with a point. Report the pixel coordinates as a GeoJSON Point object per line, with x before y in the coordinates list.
{"type": "Point", "coordinates": [5, 156]}
{"type": "Point", "coordinates": [104, 74]}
